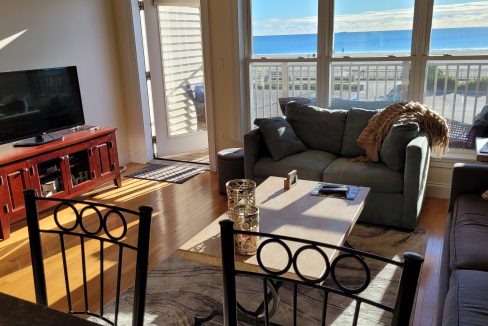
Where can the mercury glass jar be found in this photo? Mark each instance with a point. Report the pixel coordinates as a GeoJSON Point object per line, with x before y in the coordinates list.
{"type": "Point", "coordinates": [240, 192]}
{"type": "Point", "coordinates": [246, 218]}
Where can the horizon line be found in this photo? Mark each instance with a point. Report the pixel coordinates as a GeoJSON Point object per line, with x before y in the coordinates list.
{"type": "Point", "coordinates": [390, 30]}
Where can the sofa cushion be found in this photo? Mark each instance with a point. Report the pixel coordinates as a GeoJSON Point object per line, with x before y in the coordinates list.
{"type": "Point", "coordinates": [377, 176]}
{"type": "Point", "coordinates": [319, 129]}
{"type": "Point", "coordinates": [279, 137]}
{"type": "Point", "coordinates": [309, 165]}
{"type": "Point", "coordinates": [466, 301]}
{"type": "Point", "coordinates": [469, 233]}
{"type": "Point", "coordinates": [357, 119]}
{"type": "Point", "coordinates": [392, 150]}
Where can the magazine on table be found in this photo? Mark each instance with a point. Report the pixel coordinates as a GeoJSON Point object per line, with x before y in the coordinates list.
{"type": "Point", "coordinates": [336, 190]}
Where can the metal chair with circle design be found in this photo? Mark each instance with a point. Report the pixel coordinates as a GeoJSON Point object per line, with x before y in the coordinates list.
{"type": "Point", "coordinates": [110, 243]}
{"type": "Point", "coordinates": [330, 282]}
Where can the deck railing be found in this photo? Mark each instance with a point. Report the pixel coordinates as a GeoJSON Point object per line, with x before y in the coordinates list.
{"type": "Point", "coordinates": [273, 80]}
{"type": "Point", "coordinates": [370, 81]}
{"type": "Point", "coordinates": [456, 89]}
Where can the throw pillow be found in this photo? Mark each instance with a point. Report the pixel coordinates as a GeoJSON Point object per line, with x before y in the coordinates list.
{"type": "Point", "coordinates": [319, 129]}
{"type": "Point", "coordinates": [480, 123]}
{"type": "Point", "coordinates": [392, 151]}
{"type": "Point", "coordinates": [357, 120]}
{"type": "Point", "coordinates": [481, 118]}
{"type": "Point", "coordinates": [279, 137]}
{"type": "Point", "coordinates": [303, 100]}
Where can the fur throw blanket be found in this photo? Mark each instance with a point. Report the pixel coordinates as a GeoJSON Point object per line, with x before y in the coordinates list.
{"type": "Point", "coordinates": [379, 125]}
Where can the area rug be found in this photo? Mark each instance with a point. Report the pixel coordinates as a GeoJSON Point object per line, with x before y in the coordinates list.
{"type": "Point", "coordinates": [179, 289]}
{"type": "Point", "coordinates": [175, 173]}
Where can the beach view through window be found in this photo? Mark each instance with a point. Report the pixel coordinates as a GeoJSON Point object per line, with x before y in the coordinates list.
{"type": "Point", "coordinates": [290, 27]}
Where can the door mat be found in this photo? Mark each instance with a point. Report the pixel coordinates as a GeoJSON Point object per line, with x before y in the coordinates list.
{"type": "Point", "coordinates": [175, 173]}
{"type": "Point", "coordinates": [179, 290]}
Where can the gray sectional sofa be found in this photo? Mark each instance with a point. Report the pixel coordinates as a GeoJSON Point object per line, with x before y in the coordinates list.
{"type": "Point", "coordinates": [329, 138]}
{"type": "Point", "coordinates": [463, 280]}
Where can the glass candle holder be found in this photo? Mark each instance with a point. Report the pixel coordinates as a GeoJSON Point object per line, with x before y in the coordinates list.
{"type": "Point", "coordinates": [240, 192]}
{"type": "Point", "coordinates": [246, 218]}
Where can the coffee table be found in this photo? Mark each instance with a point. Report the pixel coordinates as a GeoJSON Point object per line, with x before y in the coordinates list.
{"type": "Point", "coordinates": [293, 213]}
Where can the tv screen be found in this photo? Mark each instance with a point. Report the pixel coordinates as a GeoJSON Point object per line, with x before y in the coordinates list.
{"type": "Point", "coordinates": [34, 102]}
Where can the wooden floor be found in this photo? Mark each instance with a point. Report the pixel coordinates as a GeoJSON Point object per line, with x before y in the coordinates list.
{"type": "Point", "coordinates": [196, 156]}
{"type": "Point", "coordinates": [181, 211]}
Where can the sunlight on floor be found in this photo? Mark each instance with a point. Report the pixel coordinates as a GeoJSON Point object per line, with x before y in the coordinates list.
{"type": "Point", "coordinates": [131, 189]}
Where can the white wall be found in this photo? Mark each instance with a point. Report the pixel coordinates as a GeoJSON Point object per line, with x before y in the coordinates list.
{"type": "Point", "coordinates": [70, 33]}
{"type": "Point", "coordinates": [225, 73]}
{"type": "Point", "coordinates": [133, 75]}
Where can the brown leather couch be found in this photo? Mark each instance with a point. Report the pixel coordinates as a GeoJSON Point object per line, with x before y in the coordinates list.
{"type": "Point", "coordinates": [463, 279]}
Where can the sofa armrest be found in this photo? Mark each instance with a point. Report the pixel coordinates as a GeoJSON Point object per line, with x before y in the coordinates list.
{"type": "Point", "coordinates": [417, 161]}
{"type": "Point", "coordinates": [468, 178]}
{"type": "Point", "coordinates": [253, 149]}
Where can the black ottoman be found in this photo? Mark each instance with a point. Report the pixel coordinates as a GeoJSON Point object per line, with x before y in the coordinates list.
{"type": "Point", "coordinates": [230, 165]}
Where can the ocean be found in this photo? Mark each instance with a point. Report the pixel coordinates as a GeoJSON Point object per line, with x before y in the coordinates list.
{"type": "Point", "coordinates": [395, 42]}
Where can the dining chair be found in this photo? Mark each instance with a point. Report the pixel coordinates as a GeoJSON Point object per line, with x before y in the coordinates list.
{"type": "Point", "coordinates": [271, 280]}
{"type": "Point", "coordinates": [106, 234]}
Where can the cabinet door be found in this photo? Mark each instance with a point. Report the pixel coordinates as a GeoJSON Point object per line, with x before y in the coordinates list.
{"type": "Point", "coordinates": [49, 173]}
{"type": "Point", "coordinates": [79, 166]}
{"type": "Point", "coordinates": [4, 210]}
{"type": "Point", "coordinates": [105, 156]}
{"type": "Point", "coordinates": [16, 180]}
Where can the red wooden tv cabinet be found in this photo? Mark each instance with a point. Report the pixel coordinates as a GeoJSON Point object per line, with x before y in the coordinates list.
{"type": "Point", "coordinates": [83, 159]}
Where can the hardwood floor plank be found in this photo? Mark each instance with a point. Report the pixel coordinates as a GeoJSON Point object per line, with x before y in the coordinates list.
{"type": "Point", "coordinates": [196, 156]}
{"type": "Point", "coordinates": [180, 212]}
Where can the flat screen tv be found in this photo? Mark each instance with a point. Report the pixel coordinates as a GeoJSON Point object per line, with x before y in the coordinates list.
{"type": "Point", "coordinates": [34, 103]}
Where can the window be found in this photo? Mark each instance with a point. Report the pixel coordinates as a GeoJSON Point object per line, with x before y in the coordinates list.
{"type": "Point", "coordinates": [371, 31]}
{"type": "Point", "coordinates": [368, 28]}
{"type": "Point", "coordinates": [377, 51]}
{"type": "Point", "coordinates": [284, 53]}
{"type": "Point", "coordinates": [459, 27]}
{"type": "Point", "coordinates": [284, 28]}
{"type": "Point", "coordinates": [456, 84]}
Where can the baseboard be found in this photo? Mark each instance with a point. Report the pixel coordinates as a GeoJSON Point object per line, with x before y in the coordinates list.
{"type": "Point", "coordinates": [438, 190]}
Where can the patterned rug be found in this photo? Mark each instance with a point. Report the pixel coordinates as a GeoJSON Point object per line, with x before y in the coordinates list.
{"type": "Point", "coordinates": [168, 172]}
{"type": "Point", "coordinates": [179, 289]}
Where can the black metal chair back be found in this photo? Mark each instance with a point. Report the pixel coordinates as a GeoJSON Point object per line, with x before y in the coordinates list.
{"type": "Point", "coordinates": [328, 282]}
{"type": "Point", "coordinates": [104, 236]}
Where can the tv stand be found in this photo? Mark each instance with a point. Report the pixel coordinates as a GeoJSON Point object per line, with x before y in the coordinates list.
{"type": "Point", "coordinates": [38, 140]}
{"type": "Point", "coordinates": [78, 162]}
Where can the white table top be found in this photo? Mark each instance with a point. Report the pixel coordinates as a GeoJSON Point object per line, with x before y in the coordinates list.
{"type": "Point", "coordinates": [293, 213]}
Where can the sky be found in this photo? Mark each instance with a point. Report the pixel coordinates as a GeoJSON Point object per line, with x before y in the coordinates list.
{"type": "Point", "coordinates": [283, 17]}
